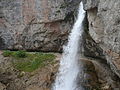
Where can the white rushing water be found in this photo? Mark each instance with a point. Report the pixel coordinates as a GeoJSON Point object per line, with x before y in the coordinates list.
{"type": "Point", "coordinates": [69, 68]}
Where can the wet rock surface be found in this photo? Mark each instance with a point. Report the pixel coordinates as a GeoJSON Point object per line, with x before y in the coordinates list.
{"type": "Point", "coordinates": [87, 78]}
{"type": "Point", "coordinates": [103, 78]}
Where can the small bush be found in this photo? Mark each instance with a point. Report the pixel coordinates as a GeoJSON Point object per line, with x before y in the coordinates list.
{"type": "Point", "coordinates": [20, 54]}
{"type": "Point", "coordinates": [7, 53]}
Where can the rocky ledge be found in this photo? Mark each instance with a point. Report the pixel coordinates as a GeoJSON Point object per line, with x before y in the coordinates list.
{"type": "Point", "coordinates": [92, 77]}
{"type": "Point", "coordinates": [14, 79]}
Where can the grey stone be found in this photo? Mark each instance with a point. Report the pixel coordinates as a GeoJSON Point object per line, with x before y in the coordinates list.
{"type": "Point", "coordinates": [104, 28]}
{"type": "Point", "coordinates": [32, 24]}
{"type": "Point", "coordinates": [2, 86]}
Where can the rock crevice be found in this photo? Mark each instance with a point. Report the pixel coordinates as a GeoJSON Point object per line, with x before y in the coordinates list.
{"type": "Point", "coordinates": [102, 37]}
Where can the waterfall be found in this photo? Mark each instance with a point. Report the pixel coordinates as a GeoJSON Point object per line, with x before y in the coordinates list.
{"type": "Point", "coordinates": [69, 68]}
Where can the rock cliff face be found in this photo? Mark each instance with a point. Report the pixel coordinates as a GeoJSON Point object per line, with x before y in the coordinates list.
{"type": "Point", "coordinates": [36, 24]}
{"type": "Point", "coordinates": [104, 30]}
{"type": "Point", "coordinates": [44, 25]}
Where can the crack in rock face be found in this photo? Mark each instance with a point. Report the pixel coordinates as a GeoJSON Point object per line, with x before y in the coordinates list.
{"type": "Point", "coordinates": [103, 18]}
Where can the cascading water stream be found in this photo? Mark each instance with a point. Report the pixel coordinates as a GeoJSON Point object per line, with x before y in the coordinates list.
{"type": "Point", "coordinates": [69, 68]}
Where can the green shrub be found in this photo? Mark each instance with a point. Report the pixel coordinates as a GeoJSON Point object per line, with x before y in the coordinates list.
{"type": "Point", "coordinates": [7, 53]}
{"type": "Point", "coordinates": [20, 54]}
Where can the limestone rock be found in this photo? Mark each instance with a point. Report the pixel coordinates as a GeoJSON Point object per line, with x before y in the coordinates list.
{"type": "Point", "coordinates": [2, 86]}
{"type": "Point", "coordinates": [36, 24]}
{"type": "Point", "coordinates": [104, 28]}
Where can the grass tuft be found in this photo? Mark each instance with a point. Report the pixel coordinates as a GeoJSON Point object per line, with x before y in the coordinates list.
{"type": "Point", "coordinates": [20, 54]}
{"type": "Point", "coordinates": [7, 53]}
{"type": "Point", "coordinates": [28, 62]}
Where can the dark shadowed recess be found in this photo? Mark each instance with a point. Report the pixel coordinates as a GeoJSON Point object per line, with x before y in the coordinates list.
{"type": "Point", "coordinates": [2, 45]}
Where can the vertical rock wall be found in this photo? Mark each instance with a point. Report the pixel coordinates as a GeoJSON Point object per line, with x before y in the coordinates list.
{"type": "Point", "coordinates": [104, 34]}
{"type": "Point", "coordinates": [36, 24]}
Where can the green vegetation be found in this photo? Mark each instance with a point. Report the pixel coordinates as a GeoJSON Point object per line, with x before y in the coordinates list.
{"type": "Point", "coordinates": [17, 54]}
{"type": "Point", "coordinates": [29, 62]}
{"type": "Point", "coordinates": [7, 53]}
{"type": "Point", "coordinates": [20, 54]}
